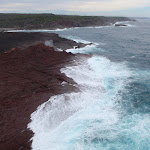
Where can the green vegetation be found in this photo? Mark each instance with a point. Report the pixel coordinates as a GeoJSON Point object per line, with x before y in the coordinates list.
{"type": "Point", "coordinates": [20, 20]}
{"type": "Point", "coordinates": [51, 20]}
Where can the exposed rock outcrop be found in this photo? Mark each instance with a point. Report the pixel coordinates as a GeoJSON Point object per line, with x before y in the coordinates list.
{"type": "Point", "coordinates": [52, 21]}
{"type": "Point", "coordinates": [23, 40]}
{"type": "Point", "coordinates": [120, 25]}
{"type": "Point", "coordinates": [28, 78]}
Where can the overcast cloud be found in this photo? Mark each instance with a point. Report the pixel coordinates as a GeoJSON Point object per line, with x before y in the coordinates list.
{"type": "Point", "coordinates": [72, 5]}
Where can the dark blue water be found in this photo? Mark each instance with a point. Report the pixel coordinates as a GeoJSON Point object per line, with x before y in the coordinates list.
{"type": "Point", "coordinates": [125, 44]}
{"type": "Point", "coordinates": [112, 111]}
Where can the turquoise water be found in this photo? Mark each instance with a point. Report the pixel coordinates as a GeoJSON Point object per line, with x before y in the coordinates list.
{"type": "Point", "coordinates": [112, 109]}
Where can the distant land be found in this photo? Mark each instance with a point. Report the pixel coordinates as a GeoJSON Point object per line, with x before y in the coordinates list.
{"type": "Point", "coordinates": [52, 21]}
{"type": "Point", "coordinates": [30, 76]}
{"type": "Point", "coordinates": [140, 18]}
{"type": "Point", "coordinates": [30, 65]}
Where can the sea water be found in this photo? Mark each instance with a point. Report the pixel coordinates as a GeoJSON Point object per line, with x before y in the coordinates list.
{"type": "Point", "coordinates": [112, 109]}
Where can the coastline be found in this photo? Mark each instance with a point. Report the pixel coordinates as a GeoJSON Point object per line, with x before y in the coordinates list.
{"type": "Point", "coordinates": [19, 137]}
{"type": "Point", "coordinates": [65, 28]}
{"type": "Point", "coordinates": [34, 73]}
{"type": "Point", "coordinates": [23, 40]}
{"type": "Point", "coordinates": [55, 22]}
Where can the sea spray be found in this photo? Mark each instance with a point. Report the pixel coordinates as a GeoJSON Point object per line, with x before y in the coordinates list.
{"type": "Point", "coordinates": [82, 120]}
{"type": "Point", "coordinates": [111, 113]}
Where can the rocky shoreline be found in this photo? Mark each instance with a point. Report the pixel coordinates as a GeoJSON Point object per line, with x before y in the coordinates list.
{"type": "Point", "coordinates": [53, 21]}
{"type": "Point", "coordinates": [29, 77]}
{"type": "Point", "coordinates": [23, 40]}
{"type": "Point", "coordinates": [30, 66]}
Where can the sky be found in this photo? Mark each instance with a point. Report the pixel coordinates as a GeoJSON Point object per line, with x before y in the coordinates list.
{"type": "Point", "coordinates": [130, 8]}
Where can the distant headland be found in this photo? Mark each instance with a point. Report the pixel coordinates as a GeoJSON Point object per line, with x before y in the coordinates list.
{"type": "Point", "coordinates": [30, 68]}
{"type": "Point", "coordinates": [52, 21]}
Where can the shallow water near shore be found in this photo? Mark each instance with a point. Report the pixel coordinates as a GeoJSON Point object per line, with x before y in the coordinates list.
{"type": "Point", "coordinates": [112, 109]}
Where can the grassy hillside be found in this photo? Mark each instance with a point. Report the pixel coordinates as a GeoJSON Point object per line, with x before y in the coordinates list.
{"type": "Point", "coordinates": [25, 21]}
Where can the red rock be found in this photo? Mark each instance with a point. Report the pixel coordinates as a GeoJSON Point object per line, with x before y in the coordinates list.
{"type": "Point", "coordinates": [23, 40]}
{"type": "Point", "coordinates": [28, 78]}
{"type": "Point", "coordinates": [15, 49]}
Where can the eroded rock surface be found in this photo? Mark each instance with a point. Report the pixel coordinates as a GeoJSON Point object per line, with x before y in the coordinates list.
{"type": "Point", "coordinates": [24, 40]}
{"type": "Point", "coordinates": [27, 79]}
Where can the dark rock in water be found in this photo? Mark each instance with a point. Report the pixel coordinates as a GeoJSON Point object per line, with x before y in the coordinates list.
{"type": "Point", "coordinates": [28, 78]}
{"type": "Point", "coordinates": [120, 25]}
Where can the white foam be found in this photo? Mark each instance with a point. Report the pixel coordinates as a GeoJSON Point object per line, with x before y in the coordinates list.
{"type": "Point", "coordinates": [125, 23]}
{"type": "Point", "coordinates": [130, 25]}
{"type": "Point", "coordinates": [73, 121]}
{"type": "Point", "coordinates": [38, 30]}
{"type": "Point", "coordinates": [97, 27]}
{"type": "Point", "coordinates": [79, 40]}
{"type": "Point", "coordinates": [16, 31]}
{"type": "Point", "coordinates": [42, 30]}
{"type": "Point", "coordinates": [49, 43]}
{"type": "Point", "coordinates": [63, 83]}
{"type": "Point", "coordinates": [81, 50]}
{"type": "Point", "coordinates": [88, 49]}
{"type": "Point", "coordinates": [58, 29]}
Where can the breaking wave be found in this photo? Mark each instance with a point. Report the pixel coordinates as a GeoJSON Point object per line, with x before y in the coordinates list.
{"type": "Point", "coordinates": [93, 118]}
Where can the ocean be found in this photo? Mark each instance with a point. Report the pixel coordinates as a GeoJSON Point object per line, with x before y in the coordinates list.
{"type": "Point", "coordinates": [112, 109]}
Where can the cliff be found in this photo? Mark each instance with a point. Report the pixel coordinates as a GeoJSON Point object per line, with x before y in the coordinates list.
{"type": "Point", "coordinates": [28, 78]}
{"type": "Point", "coordinates": [51, 21]}
{"type": "Point", "coordinates": [23, 40]}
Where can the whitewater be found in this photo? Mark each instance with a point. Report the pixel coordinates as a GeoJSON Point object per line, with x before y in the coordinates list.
{"type": "Point", "coordinates": [111, 110]}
